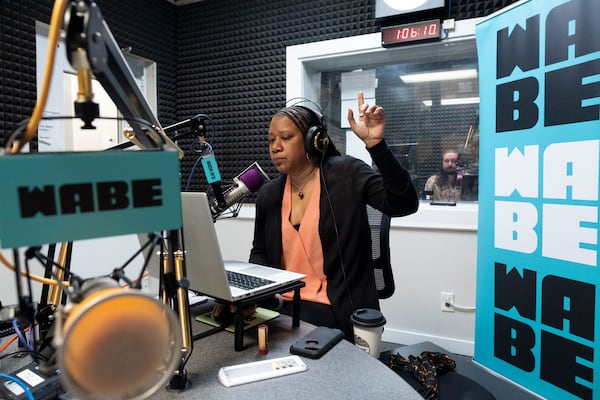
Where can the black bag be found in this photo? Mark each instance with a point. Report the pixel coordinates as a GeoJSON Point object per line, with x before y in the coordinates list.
{"type": "Point", "coordinates": [432, 375]}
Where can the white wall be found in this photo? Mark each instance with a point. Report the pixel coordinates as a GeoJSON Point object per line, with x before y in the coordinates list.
{"type": "Point", "coordinates": [426, 262]}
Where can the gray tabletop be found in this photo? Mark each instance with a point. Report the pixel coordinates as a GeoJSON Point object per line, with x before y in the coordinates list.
{"type": "Point", "coordinates": [345, 372]}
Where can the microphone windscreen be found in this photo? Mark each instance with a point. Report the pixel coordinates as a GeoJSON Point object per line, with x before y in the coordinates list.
{"type": "Point", "coordinates": [118, 343]}
{"type": "Point", "coordinates": [253, 180]}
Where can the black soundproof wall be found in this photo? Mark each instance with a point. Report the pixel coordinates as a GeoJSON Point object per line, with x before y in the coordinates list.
{"type": "Point", "coordinates": [232, 63]}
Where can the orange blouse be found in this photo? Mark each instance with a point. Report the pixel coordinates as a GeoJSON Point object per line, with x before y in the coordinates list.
{"type": "Point", "coordinates": [302, 251]}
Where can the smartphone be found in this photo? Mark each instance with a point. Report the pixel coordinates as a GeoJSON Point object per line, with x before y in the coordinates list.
{"type": "Point", "coordinates": [317, 342]}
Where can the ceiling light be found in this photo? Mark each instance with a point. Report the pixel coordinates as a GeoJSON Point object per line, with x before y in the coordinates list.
{"type": "Point", "coordinates": [439, 75]}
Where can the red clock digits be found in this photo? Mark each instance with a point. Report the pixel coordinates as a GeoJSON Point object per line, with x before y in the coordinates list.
{"type": "Point", "coordinates": [412, 32]}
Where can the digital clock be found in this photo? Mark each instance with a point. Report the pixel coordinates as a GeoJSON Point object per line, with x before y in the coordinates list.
{"type": "Point", "coordinates": [413, 32]}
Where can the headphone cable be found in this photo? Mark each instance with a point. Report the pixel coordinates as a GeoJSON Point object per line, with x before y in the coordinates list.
{"type": "Point", "coordinates": [337, 233]}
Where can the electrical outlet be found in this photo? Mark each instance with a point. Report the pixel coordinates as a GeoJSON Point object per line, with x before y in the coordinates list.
{"type": "Point", "coordinates": [447, 301]}
{"type": "Point", "coordinates": [448, 24]}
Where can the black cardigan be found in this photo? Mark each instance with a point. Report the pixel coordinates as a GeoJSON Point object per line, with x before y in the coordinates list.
{"type": "Point", "coordinates": [350, 184]}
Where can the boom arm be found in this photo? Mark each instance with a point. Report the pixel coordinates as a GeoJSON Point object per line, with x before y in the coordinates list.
{"type": "Point", "coordinates": [91, 47]}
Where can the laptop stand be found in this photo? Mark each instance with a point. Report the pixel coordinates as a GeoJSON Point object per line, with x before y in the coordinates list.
{"type": "Point", "coordinates": [238, 316]}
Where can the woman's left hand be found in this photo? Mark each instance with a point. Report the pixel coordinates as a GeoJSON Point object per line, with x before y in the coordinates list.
{"type": "Point", "coordinates": [223, 313]}
{"type": "Point", "coordinates": [371, 122]}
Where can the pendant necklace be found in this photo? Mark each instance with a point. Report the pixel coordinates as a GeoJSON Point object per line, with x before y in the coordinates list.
{"type": "Point", "coordinates": [300, 189]}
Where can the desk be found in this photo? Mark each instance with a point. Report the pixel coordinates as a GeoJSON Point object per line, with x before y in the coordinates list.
{"type": "Point", "coordinates": [345, 372]}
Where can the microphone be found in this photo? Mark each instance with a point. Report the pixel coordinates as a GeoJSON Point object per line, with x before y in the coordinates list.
{"type": "Point", "coordinates": [211, 171]}
{"type": "Point", "coordinates": [115, 343]}
{"type": "Point", "coordinates": [249, 181]}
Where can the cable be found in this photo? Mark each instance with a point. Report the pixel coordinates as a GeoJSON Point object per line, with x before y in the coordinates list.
{"type": "Point", "coordinates": [58, 13]}
{"type": "Point", "coordinates": [199, 146]}
{"type": "Point", "coordinates": [20, 353]}
{"type": "Point", "coordinates": [39, 279]}
{"type": "Point", "coordinates": [19, 332]}
{"type": "Point", "coordinates": [2, 356]}
{"type": "Point", "coordinates": [20, 383]}
{"type": "Point", "coordinates": [446, 32]}
{"type": "Point", "coordinates": [23, 124]}
{"type": "Point", "coordinates": [460, 308]}
{"type": "Point", "coordinates": [335, 227]}
{"type": "Point", "coordinates": [7, 344]}
{"type": "Point", "coordinates": [16, 133]}
{"type": "Point", "coordinates": [198, 159]}
{"type": "Point", "coordinates": [35, 277]}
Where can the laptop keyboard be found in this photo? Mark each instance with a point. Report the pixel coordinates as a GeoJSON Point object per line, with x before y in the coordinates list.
{"type": "Point", "coordinates": [243, 281]}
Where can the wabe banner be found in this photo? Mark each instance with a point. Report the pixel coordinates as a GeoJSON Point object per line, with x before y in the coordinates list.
{"type": "Point", "coordinates": [538, 274]}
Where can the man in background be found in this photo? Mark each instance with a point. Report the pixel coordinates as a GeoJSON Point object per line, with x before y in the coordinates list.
{"type": "Point", "coordinates": [446, 186]}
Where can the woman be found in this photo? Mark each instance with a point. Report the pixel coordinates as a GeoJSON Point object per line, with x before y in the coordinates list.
{"type": "Point", "coordinates": [312, 218]}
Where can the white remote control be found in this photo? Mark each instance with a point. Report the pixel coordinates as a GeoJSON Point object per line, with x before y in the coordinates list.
{"type": "Point", "coordinates": [259, 370]}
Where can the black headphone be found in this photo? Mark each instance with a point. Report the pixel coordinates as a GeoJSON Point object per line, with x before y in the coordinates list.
{"type": "Point", "coordinates": [315, 137]}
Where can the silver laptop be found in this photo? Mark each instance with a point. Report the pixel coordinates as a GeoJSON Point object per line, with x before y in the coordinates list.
{"type": "Point", "coordinates": [206, 270]}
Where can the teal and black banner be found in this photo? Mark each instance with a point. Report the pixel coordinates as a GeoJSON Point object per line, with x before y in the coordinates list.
{"type": "Point", "coordinates": [537, 320]}
{"type": "Point", "coordinates": [60, 197]}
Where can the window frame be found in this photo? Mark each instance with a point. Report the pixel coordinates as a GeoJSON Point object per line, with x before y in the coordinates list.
{"type": "Point", "coordinates": [305, 64]}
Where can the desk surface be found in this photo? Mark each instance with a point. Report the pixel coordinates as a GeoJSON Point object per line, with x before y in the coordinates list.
{"type": "Point", "coordinates": [345, 372]}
